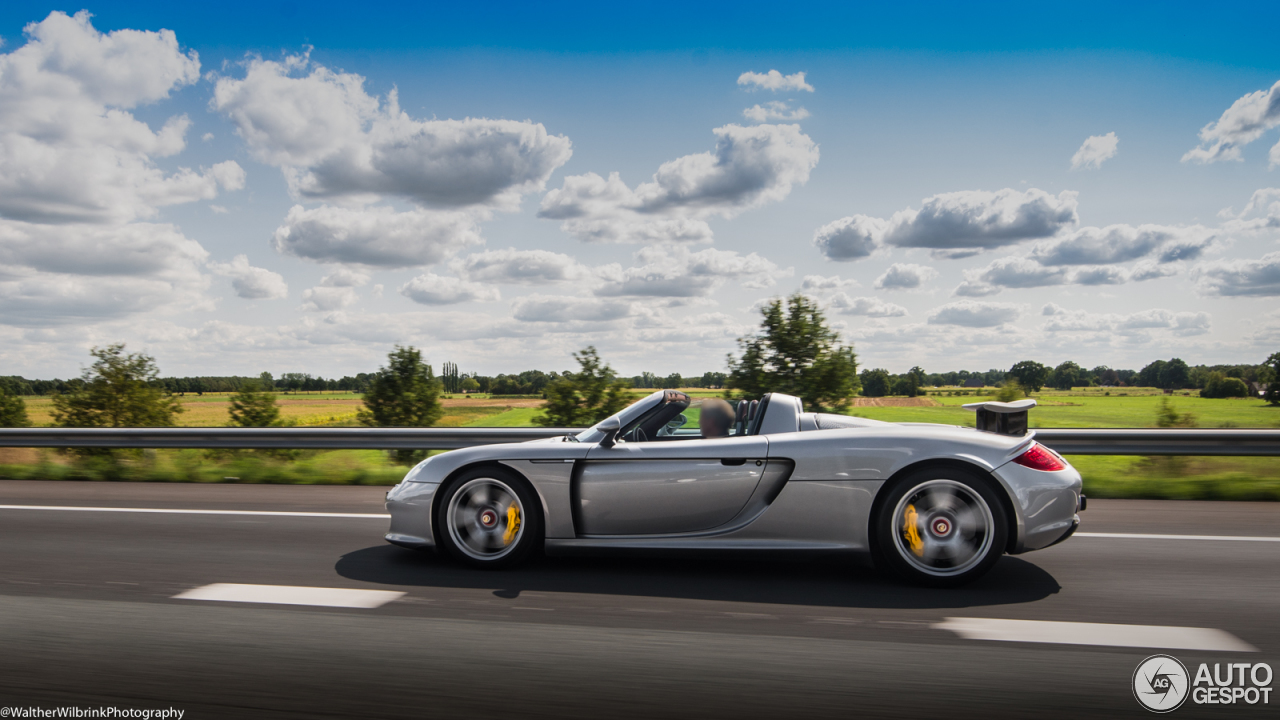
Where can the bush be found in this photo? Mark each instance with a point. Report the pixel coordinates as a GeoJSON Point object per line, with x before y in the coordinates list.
{"type": "Point", "coordinates": [1224, 387]}
{"type": "Point", "coordinates": [13, 411]}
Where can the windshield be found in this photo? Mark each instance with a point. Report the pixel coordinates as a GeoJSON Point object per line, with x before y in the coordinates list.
{"type": "Point", "coordinates": [625, 416]}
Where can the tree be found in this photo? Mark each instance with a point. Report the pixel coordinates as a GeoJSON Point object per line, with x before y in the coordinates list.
{"type": "Point", "coordinates": [120, 390]}
{"type": "Point", "coordinates": [918, 374]}
{"type": "Point", "coordinates": [1272, 395]}
{"type": "Point", "coordinates": [1175, 375]}
{"type": "Point", "coordinates": [402, 394]}
{"type": "Point", "coordinates": [13, 410]}
{"type": "Point", "coordinates": [1149, 376]}
{"type": "Point", "coordinates": [253, 406]}
{"type": "Point", "coordinates": [585, 397]}
{"type": "Point", "coordinates": [795, 353]}
{"type": "Point", "coordinates": [875, 383]}
{"type": "Point", "coordinates": [1220, 386]}
{"type": "Point", "coordinates": [469, 385]}
{"type": "Point", "coordinates": [1030, 374]}
{"type": "Point", "coordinates": [1065, 376]}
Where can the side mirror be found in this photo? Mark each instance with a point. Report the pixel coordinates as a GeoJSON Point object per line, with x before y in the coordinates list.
{"type": "Point", "coordinates": [610, 426]}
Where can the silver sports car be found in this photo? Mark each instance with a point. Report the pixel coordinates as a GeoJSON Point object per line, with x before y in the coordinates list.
{"type": "Point", "coordinates": [935, 504]}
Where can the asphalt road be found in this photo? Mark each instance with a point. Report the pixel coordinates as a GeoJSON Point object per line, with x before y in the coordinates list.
{"type": "Point", "coordinates": [88, 618]}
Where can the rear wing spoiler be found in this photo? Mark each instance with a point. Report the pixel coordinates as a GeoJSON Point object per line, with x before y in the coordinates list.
{"type": "Point", "coordinates": [1003, 418]}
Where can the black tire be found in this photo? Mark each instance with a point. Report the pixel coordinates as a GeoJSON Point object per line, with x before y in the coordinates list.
{"type": "Point", "coordinates": [474, 518]}
{"type": "Point", "coordinates": [960, 528]}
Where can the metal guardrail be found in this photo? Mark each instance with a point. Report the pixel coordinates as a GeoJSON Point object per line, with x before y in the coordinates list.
{"type": "Point", "coordinates": [1091, 441]}
{"type": "Point", "coordinates": [273, 438]}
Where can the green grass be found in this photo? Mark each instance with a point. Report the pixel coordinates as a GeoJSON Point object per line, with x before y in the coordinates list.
{"type": "Point", "coordinates": [1057, 410]}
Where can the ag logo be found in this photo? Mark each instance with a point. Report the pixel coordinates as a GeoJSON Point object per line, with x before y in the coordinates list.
{"type": "Point", "coordinates": [1161, 683]}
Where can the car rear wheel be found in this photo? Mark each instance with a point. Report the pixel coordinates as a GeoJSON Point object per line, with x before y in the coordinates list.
{"type": "Point", "coordinates": [489, 518]}
{"type": "Point", "coordinates": [940, 527]}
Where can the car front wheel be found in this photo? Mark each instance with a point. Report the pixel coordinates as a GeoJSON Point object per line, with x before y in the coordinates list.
{"type": "Point", "coordinates": [940, 527]}
{"type": "Point", "coordinates": [489, 518]}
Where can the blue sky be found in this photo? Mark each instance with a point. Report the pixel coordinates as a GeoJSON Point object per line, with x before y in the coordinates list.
{"type": "Point", "coordinates": [917, 179]}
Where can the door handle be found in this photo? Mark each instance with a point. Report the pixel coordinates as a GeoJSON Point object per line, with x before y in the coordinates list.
{"type": "Point", "coordinates": [733, 461]}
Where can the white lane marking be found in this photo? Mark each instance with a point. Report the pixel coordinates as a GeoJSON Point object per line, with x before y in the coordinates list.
{"type": "Point", "coordinates": [174, 511]}
{"type": "Point", "coordinates": [1110, 635]}
{"type": "Point", "coordinates": [291, 595]}
{"type": "Point", "coordinates": [1139, 536]}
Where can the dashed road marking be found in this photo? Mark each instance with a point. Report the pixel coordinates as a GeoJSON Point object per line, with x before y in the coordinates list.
{"type": "Point", "coordinates": [291, 595]}
{"type": "Point", "coordinates": [1104, 634]}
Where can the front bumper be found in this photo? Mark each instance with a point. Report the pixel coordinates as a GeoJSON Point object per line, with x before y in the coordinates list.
{"type": "Point", "coordinates": [410, 507]}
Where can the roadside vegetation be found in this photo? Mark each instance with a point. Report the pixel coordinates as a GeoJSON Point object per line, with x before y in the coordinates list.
{"type": "Point", "coordinates": [794, 351]}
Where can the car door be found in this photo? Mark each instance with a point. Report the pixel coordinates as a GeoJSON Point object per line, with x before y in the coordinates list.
{"type": "Point", "coordinates": [646, 488]}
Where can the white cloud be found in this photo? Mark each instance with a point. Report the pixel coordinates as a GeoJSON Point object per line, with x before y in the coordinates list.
{"type": "Point", "coordinates": [70, 150]}
{"type": "Point", "coordinates": [1181, 324]}
{"type": "Point", "coordinates": [46, 271]}
{"type": "Point", "coordinates": [327, 299]}
{"type": "Point", "coordinates": [207, 137]}
{"type": "Point", "coordinates": [969, 313]}
{"type": "Point", "coordinates": [959, 221]}
{"type": "Point", "coordinates": [521, 267]}
{"type": "Point", "coordinates": [866, 306]}
{"type": "Point", "coordinates": [1095, 150]}
{"type": "Point", "coordinates": [1242, 123]}
{"type": "Point", "coordinates": [1101, 275]}
{"type": "Point", "coordinates": [218, 209]}
{"type": "Point", "coordinates": [750, 166]}
{"type": "Point", "coordinates": [1240, 278]}
{"type": "Point", "coordinates": [431, 289]}
{"type": "Point", "coordinates": [1017, 272]}
{"type": "Point", "coordinates": [675, 271]}
{"type": "Point", "coordinates": [774, 110]}
{"type": "Point", "coordinates": [252, 283]}
{"type": "Point", "coordinates": [376, 236]}
{"type": "Point", "coordinates": [332, 139]}
{"type": "Point", "coordinates": [820, 282]}
{"type": "Point", "coordinates": [345, 277]}
{"type": "Point", "coordinates": [980, 219]}
{"type": "Point", "coordinates": [904, 276]}
{"type": "Point", "coordinates": [774, 80]}
{"type": "Point", "coordinates": [552, 308]}
{"type": "Point", "coordinates": [849, 238]}
{"type": "Point", "coordinates": [1122, 243]}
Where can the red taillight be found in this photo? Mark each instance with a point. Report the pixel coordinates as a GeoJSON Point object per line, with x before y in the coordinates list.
{"type": "Point", "coordinates": [1039, 457]}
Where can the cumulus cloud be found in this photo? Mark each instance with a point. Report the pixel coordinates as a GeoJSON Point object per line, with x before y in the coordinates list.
{"type": "Point", "coordinates": [820, 282]}
{"type": "Point", "coordinates": [332, 139]}
{"type": "Point", "coordinates": [970, 313]}
{"type": "Point", "coordinates": [521, 267]}
{"type": "Point", "coordinates": [749, 167]}
{"type": "Point", "coordinates": [1095, 150]}
{"type": "Point", "coordinates": [950, 222]}
{"type": "Point", "coordinates": [866, 306]}
{"type": "Point", "coordinates": [1016, 272]}
{"type": "Point", "coordinates": [252, 283]}
{"type": "Point", "coordinates": [119, 269]}
{"type": "Point", "coordinates": [904, 276]}
{"type": "Point", "coordinates": [327, 299]}
{"type": "Point", "coordinates": [554, 308]}
{"type": "Point", "coordinates": [376, 236]}
{"type": "Point", "coordinates": [849, 238]}
{"type": "Point", "coordinates": [676, 271]}
{"type": "Point", "coordinates": [1181, 324]}
{"type": "Point", "coordinates": [774, 80]}
{"type": "Point", "coordinates": [1122, 243]}
{"type": "Point", "coordinates": [1102, 275]}
{"type": "Point", "coordinates": [345, 277]}
{"type": "Point", "coordinates": [1245, 121]}
{"type": "Point", "coordinates": [1240, 278]}
{"type": "Point", "coordinates": [431, 289]}
{"type": "Point", "coordinates": [774, 110]}
{"type": "Point", "coordinates": [70, 150]}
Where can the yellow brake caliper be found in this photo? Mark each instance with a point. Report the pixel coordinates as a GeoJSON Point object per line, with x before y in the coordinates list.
{"type": "Point", "coordinates": [912, 531]}
{"type": "Point", "coordinates": [513, 524]}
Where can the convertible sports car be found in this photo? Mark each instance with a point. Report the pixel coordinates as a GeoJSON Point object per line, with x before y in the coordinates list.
{"type": "Point", "coordinates": [935, 504]}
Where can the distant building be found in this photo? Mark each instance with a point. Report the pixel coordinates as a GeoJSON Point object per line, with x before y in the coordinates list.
{"type": "Point", "coordinates": [1258, 389]}
{"type": "Point", "coordinates": [974, 383]}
